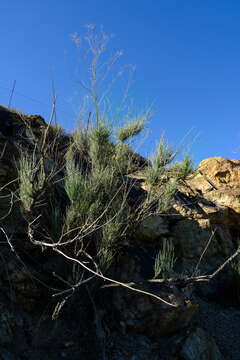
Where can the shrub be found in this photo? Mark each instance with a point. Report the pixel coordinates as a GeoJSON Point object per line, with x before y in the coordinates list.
{"type": "Point", "coordinates": [156, 173]}
{"type": "Point", "coordinates": [130, 129]}
{"type": "Point", "coordinates": [165, 260]}
{"type": "Point", "coordinates": [98, 214]}
{"type": "Point", "coordinates": [181, 170]}
{"type": "Point", "coordinates": [31, 178]}
{"type": "Point", "coordinates": [166, 195]}
{"type": "Point", "coordinates": [97, 200]}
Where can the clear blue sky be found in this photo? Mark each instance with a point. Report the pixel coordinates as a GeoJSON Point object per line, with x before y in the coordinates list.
{"type": "Point", "coordinates": [186, 52]}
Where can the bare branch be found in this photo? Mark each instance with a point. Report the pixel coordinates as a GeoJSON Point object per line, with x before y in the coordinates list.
{"type": "Point", "coordinates": [112, 280]}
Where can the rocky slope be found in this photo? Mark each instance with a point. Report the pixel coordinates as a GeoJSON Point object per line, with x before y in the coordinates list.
{"type": "Point", "coordinates": [117, 323]}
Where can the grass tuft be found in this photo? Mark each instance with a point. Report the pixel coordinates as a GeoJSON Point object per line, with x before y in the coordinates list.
{"type": "Point", "coordinates": [131, 129]}
{"type": "Point", "coordinates": [181, 170]}
{"type": "Point", "coordinates": [31, 178]}
{"type": "Point", "coordinates": [165, 260]}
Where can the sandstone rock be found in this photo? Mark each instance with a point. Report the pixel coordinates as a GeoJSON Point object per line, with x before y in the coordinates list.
{"type": "Point", "coordinates": [217, 188]}
{"type": "Point", "coordinates": [190, 239]}
{"type": "Point", "coordinates": [142, 314]}
{"type": "Point", "coordinates": [209, 201]}
{"type": "Point", "coordinates": [200, 346]}
{"type": "Point", "coordinates": [152, 229]}
{"type": "Point", "coordinates": [223, 173]}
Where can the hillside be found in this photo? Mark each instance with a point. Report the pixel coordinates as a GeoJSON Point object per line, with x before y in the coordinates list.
{"type": "Point", "coordinates": [107, 255]}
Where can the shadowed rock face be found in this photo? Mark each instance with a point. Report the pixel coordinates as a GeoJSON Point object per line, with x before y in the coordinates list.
{"type": "Point", "coordinates": [199, 345]}
{"type": "Point", "coordinates": [141, 314]}
{"type": "Point", "coordinates": [16, 131]}
{"type": "Point", "coordinates": [206, 203]}
{"type": "Point", "coordinates": [14, 124]}
{"type": "Point", "coordinates": [205, 218]}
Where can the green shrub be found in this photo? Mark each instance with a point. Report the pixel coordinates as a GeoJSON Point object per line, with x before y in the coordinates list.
{"type": "Point", "coordinates": [108, 244]}
{"type": "Point", "coordinates": [78, 190]}
{"type": "Point", "coordinates": [130, 129]}
{"type": "Point", "coordinates": [181, 170]}
{"type": "Point", "coordinates": [165, 260]}
{"type": "Point", "coordinates": [166, 195]}
{"type": "Point", "coordinates": [164, 154]}
{"type": "Point", "coordinates": [156, 172]}
{"type": "Point", "coordinates": [81, 141]}
{"type": "Point", "coordinates": [31, 178]}
{"type": "Point", "coordinates": [100, 146]}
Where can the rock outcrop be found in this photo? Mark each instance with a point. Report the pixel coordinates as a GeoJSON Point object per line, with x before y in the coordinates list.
{"type": "Point", "coordinates": [203, 226]}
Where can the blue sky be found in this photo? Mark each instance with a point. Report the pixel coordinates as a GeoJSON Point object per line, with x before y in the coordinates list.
{"type": "Point", "coordinates": [186, 52]}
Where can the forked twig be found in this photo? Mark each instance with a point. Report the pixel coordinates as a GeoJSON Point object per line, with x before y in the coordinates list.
{"type": "Point", "coordinates": [204, 251]}
{"type": "Point", "coordinates": [112, 280]}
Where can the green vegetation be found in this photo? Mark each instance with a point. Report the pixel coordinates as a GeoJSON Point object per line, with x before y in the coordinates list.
{"type": "Point", "coordinates": [98, 213]}
{"type": "Point", "coordinates": [165, 260]}
{"type": "Point", "coordinates": [92, 170]}
{"type": "Point", "coordinates": [183, 169]}
{"type": "Point", "coordinates": [166, 195]}
{"type": "Point", "coordinates": [31, 178]}
{"type": "Point", "coordinates": [164, 155]}
{"type": "Point", "coordinates": [130, 129]}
